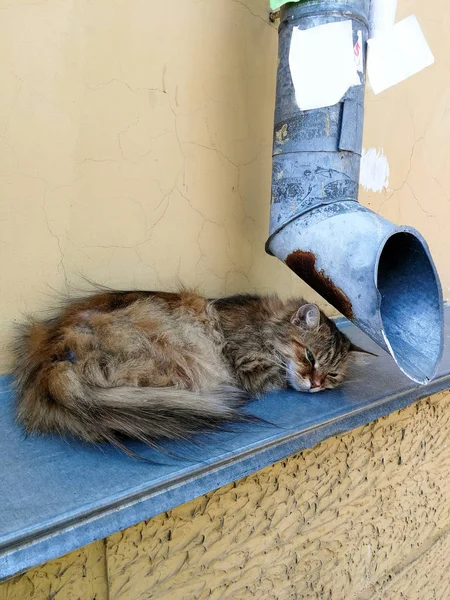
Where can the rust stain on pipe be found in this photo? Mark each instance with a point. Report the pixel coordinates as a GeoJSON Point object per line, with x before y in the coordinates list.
{"type": "Point", "coordinates": [304, 265]}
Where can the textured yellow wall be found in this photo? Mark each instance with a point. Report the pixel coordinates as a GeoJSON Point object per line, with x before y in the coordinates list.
{"type": "Point", "coordinates": [80, 575]}
{"type": "Point", "coordinates": [135, 147]}
{"type": "Point", "coordinates": [362, 516]}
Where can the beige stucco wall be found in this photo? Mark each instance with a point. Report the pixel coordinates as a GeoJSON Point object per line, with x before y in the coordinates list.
{"type": "Point", "coordinates": [362, 516]}
{"type": "Point", "coordinates": [135, 147]}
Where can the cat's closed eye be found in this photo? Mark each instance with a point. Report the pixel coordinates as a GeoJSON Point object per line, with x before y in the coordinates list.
{"type": "Point", "coordinates": [310, 356]}
{"type": "Point", "coordinates": [332, 374]}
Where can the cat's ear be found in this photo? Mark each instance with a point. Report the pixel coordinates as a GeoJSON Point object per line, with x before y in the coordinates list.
{"type": "Point", "coordinates": [307, 317]}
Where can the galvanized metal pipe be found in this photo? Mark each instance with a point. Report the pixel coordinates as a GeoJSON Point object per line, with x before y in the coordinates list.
{"type": "Point", "coordinates": [379, 275]}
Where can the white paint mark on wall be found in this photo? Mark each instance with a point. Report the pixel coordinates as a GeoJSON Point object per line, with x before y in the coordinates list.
{"type": "Point", "coordinates": [374, 172]}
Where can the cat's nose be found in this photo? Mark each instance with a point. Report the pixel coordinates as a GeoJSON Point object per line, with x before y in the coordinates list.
{"type": "Point", "coordinates": [316, 382]}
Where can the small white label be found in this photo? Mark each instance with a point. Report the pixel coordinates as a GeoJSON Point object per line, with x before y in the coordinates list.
{"type": "Point", "coordinates": [396, 54]}
{"type": "Point", "coordinates": [322, 64]}
{"type": "Point", "coordinates": [359, 53]}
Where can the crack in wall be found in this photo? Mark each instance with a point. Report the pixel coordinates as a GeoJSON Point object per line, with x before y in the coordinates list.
{"type": "Point", "coordinates": [58, 242]}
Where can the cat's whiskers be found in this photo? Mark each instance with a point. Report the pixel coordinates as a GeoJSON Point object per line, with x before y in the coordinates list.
{"type": "Point", "coordinates": [281, 363]}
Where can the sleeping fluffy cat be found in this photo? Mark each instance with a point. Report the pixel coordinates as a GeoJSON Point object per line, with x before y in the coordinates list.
{"type": "Point", "coordinates": [154, 365]}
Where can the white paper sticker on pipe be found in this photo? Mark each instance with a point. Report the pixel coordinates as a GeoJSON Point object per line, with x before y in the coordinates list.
{"type": "Point", "coordinates": [322, 64]}
{"type": "Point", "coordinates": [396, 54]}
{"type": "Point", "coordinates": [381, 16]}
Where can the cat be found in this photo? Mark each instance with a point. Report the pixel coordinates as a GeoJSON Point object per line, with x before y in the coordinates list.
{"type": "Point", "coordinates": [155, 365]}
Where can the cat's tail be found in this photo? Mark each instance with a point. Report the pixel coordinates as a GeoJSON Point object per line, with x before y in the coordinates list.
{"type": "Point", "coordinates": [53, 397]}
{"type": "Point", "coordinates": [143, 413]}
{"type": "Point", "coordinates": [153, 414]}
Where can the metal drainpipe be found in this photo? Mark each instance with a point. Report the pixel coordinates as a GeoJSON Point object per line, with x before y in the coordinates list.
{"type": "Point", "coordinates": [379, 275]}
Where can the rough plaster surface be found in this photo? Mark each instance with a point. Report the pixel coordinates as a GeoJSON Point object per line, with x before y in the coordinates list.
{"type": "Point", "coordinates": [80, 575]}
{"type": "Point", "coordinates": [425, 576]}
{"type": "Point", "coordinates": [361, 516]}
{"type": "Point", "coordinates": [135, 147]}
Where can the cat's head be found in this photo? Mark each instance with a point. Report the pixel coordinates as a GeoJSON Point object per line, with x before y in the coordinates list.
{"type": "Point", "coordinates": [319, 352]}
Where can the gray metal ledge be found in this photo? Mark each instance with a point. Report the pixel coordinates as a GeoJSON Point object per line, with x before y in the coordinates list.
{"type": "Point", "coordinates": [58, 495]}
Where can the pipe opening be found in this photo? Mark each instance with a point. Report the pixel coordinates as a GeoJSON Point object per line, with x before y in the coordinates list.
{"type": "Point", "coordinates": [410, 305]}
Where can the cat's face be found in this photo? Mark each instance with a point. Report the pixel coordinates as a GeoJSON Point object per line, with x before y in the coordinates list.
{"type": "Point", "coordinates": [319, 352]}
